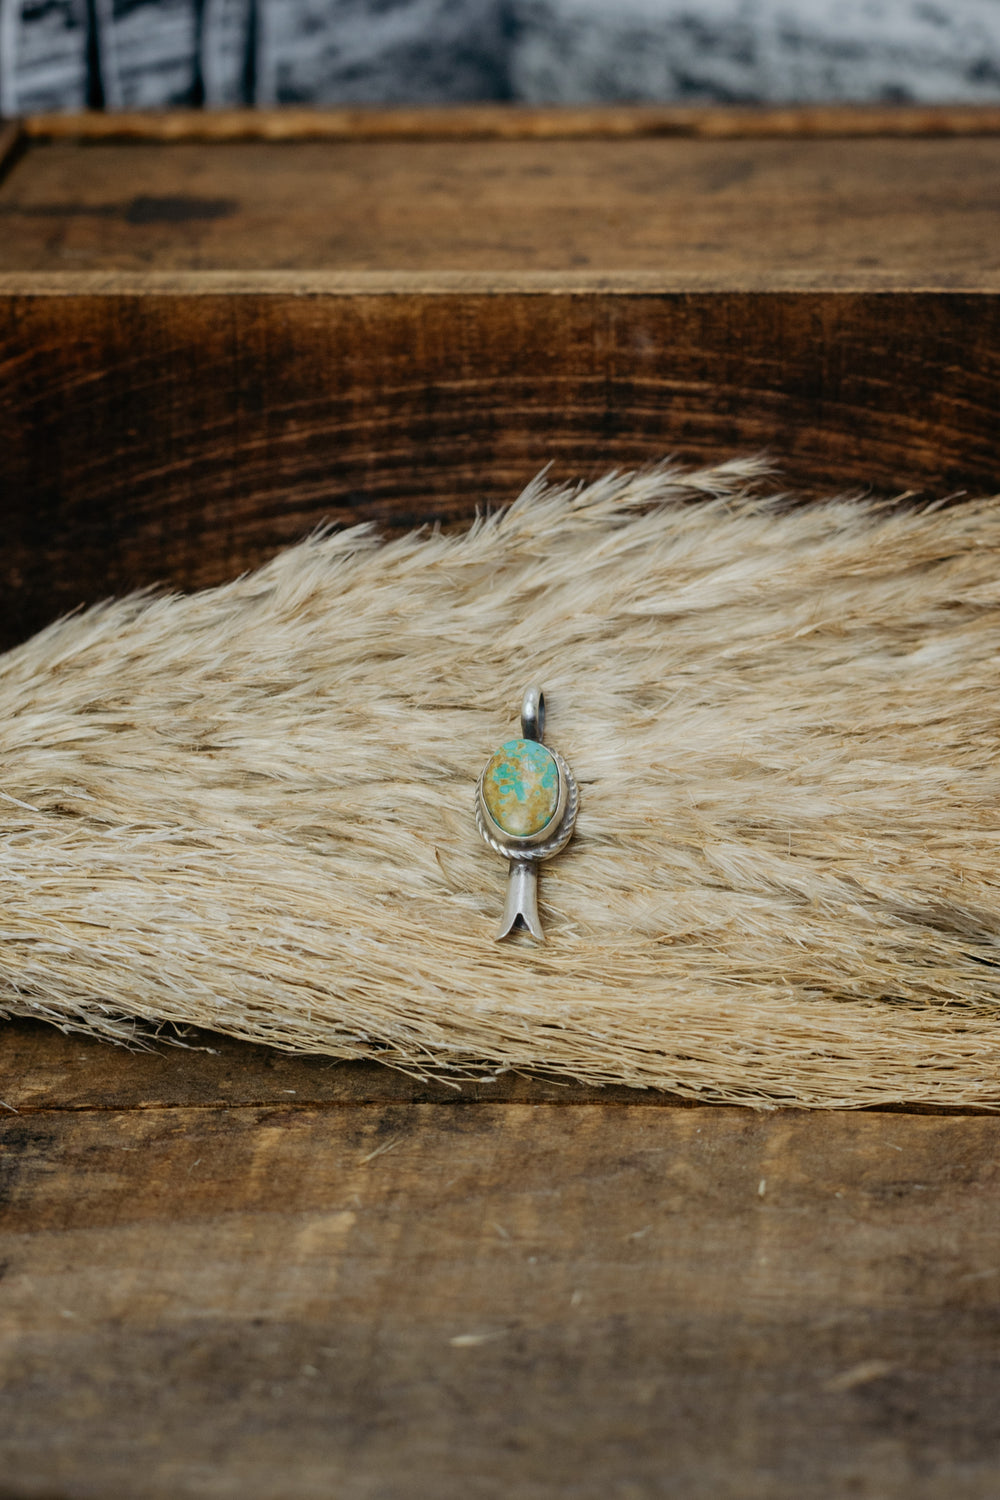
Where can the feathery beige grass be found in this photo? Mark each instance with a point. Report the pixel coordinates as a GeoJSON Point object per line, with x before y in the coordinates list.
{"type": "Point", "coordinates": [251, 808]}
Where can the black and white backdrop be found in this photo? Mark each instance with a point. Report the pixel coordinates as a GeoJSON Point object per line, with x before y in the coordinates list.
{"type": "Point", "coordinates": [121, 54]}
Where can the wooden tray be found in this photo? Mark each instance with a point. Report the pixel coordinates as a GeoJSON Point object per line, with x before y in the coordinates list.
{"type": "Point", "coordinates": [231, 1273]}
{"type": "Point", "coordinates": [218, 331]}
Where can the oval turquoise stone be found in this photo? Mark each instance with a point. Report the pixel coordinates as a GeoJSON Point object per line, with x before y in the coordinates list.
{"type": "Point", "coordinates": [521, 787]}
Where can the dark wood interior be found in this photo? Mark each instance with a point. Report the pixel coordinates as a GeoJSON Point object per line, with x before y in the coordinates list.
{"type": "Point", "coordinates": [220, 331]}
{"type": "Point", "coordinates": [181, 438]}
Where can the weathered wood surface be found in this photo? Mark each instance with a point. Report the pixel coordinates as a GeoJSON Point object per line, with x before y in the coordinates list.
{"type": "Point", "coordinates": [822, 212]}
{"type": "Point", "coordinates": [278, 1296]}
{"type": "Point", "coordinates": [523, 122]}
{"type": "Point", "coordinates": [42, 1069]}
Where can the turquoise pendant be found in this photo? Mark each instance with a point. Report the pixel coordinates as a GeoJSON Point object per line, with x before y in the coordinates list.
{"type": "Point", "coordinates": [526, 806]}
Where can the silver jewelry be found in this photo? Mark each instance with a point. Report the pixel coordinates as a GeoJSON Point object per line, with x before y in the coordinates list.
{"type": "Point", "coordinates": [526, 805]}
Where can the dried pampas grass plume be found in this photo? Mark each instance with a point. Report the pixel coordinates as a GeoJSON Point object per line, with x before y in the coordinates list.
{"type": "Point", "coordinates": [251, 808]}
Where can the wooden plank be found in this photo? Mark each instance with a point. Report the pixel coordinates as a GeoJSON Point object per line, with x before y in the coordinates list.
{"type": "Point", "coordinates": [915, 213]}
{"type": "Point", "coordinates": [405, 1299]}
{"type": "Point", "coordinates": [184, 438]}
{"type": "Point", "coordinates": [520, 122]}
{"type": "Point", "coordinates": [43, 1069]}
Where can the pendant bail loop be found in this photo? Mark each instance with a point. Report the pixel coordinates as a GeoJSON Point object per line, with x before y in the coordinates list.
{"type": "Point", "coordinates": [533, 714]}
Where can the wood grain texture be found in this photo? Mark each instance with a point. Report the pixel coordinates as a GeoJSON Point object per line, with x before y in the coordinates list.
{"type": "Point", "coordinates": [522, 122]}
{"type": "Point", "coordinates": [180, 439]}
{"type": "Point", "coordinates": [207, 349]}
{"type": "Point", "coordinates": [408, 1299]}
{"type": "Point", "coordinates": [42, 1069]}
{"type": "Point", "coordinates": [910, 213]}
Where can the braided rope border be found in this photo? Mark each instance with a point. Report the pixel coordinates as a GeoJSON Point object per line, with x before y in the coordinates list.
{"type": "Point", "coordinates": [559, 839]}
